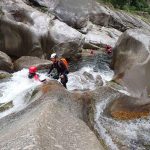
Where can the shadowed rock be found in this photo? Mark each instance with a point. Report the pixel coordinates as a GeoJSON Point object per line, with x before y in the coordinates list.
{"type": "Point", "coordinates": [74, 13]}
{"type": "Point", "coordinates": [22, 29]}
{"type": "Point", "coordinates": [5, 62]}
{"type": "Point", "coordinates": [5, 106]}
{"type": "Point", "coordinates": [131, 61]}
{"type": "Point", "coordinates": [126, 108]}
{"type": "Point", "coordinates": [26, 31]}
{"type": "Point", "coordinates": [117, 19]}
{"type": "Point", "coordinates": [27, 61]}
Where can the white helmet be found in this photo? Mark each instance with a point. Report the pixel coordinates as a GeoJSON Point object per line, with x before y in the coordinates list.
{"type": "Point", "coordinates": [54, 55]}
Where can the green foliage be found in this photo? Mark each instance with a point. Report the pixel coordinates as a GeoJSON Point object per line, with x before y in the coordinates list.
{"type": "Point", "coordinates": [134, 5]}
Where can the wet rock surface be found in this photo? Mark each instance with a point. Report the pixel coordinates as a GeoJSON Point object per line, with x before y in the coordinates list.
{"type": "Point", "coordinates": [77, 14]}
{"type": "Point", "coordinates": [6, 106]}
{"type": "Point", "coordinates": [5, 62]}
{"type": "Point", "coordinates": [50, 122]}
{"type": "Point", "coordinates": [126, 108]}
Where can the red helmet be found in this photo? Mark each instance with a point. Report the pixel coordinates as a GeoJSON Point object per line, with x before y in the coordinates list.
{"type": "Point", "coordinates": [32, 69]}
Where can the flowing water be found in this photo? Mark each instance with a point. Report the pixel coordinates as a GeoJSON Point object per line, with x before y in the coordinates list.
{"type": "Point", "coordinates": [18, 90]}
{"type": "Point", "coordinates": [116, 134]}
{"type": "Point", "coordinates": [124, 135]}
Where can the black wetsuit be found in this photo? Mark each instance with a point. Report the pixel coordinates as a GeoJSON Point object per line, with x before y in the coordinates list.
{"type": "Point", "coordinates": [61, 70]}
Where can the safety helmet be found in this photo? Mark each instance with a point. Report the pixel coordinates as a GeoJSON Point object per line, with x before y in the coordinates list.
{"type": "Point", "coordinates": [54, 55]}
{"type": "Point", "coordinates": [32, 69]}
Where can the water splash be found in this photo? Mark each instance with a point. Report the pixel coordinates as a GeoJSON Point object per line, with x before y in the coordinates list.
{"type": "Point", "coordinates": [78, 80]}
{"type": "Point", "coordinates": [100, 127]}
{"type": "Point", "coordinates": [18, 90]}
{"type": "Point", "coordinates": [133, 134]}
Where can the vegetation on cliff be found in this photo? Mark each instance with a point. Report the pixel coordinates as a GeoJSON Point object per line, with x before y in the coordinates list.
{"type": "Point", "coordinates": [132, 5]}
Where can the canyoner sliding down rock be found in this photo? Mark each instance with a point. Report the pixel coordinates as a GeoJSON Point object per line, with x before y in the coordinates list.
{"type": "Point", "coordinates": [74, 75]}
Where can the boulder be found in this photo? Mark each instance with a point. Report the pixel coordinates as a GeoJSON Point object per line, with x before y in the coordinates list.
{"type": "Point", "coordinates": [101, 36]}
{"type": "Point", "coordinates": [120, 20]}
{"type": "Point", "coordinates": [5, 62]}
{"type": "Point", "coordinates": [27, 61]}
{"type": "Point", "coordinates": [74, 13]}
{"type": "Point", "coordinates": [25, 31]}
{"type": "Point", "coordinates": [22, 29]}
{"type": "Point", "coordinates": [126, 108]}
{"type": "Point", "coordinates": [70, 50]}
{"type": "Point", "coordinates": [4, 74]}
{"type": "Point", "coordinates": [131, 60]}
{"type": "Point", "coordinates": [49, 122]}
{"type": "Point", "coordinates": [61, 32]}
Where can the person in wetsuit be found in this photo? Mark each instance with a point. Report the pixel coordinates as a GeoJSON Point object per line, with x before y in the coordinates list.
{"type": "Point", "coordinates": [61, 67]}
{"type": "Point", "coordinates": [33, 75]}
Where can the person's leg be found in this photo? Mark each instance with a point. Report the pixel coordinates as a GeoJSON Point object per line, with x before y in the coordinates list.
{"type": "Point", "coordinates": [64, 80]}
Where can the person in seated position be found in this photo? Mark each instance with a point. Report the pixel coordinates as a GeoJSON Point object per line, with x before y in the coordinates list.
{"type": "Point", "coordinates": [33, 74]}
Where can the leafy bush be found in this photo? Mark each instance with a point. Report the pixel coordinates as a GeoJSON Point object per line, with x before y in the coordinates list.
{"type": "Point", "coordinates": [138, 5]}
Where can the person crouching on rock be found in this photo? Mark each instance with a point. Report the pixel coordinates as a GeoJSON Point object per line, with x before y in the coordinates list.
{"type": "Point", "coordinates": [61, 65]}
{"type": "Point", "coordinates": [33, 74]}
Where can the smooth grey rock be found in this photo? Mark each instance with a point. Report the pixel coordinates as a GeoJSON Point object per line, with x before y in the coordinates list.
{"type": "Point", "coordinates": [27, 61]}
{"type": "Point", "coordinates": [131, 61]}
{"type": "Point", "coordinates": [5, 62]}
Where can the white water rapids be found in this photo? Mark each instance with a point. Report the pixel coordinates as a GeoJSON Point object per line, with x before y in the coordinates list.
{"type": "Point", "coordinates": [19, 90]}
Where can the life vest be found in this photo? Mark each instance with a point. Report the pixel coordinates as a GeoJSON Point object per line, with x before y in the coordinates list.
{"type": "Point", "coordinates": [36, 77]}
{"type": "Point", "coordinates": [65, 62]}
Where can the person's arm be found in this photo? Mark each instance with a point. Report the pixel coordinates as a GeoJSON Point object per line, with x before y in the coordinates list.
{"type": "Point", "coordinates": [51, 68]}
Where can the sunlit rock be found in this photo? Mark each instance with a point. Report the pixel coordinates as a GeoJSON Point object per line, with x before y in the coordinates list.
{"type": "Point", "coordinates": [22, 29]}
{"type": "Point", "coordinates": [101, 36]}
{"type": "Point", "coordinates": [61, 32]}
{"type": "Point", "coordinates": [50, 122]}
{"type": "Point", "coordinates": [74, 13]}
